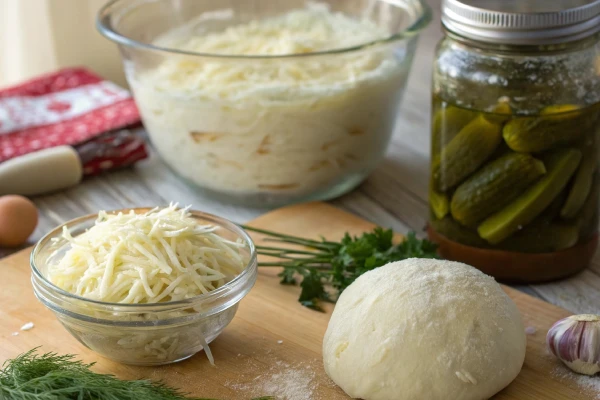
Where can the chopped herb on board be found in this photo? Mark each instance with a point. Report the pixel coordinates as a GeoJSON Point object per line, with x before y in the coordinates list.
{"type": "Point", "coordinates": [59, 377]}
{"type": "Point", "coordinates": [323, 263]}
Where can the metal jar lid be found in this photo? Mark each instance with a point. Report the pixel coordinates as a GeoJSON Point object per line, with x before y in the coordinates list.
{"type": "Point", "coordinates": [522, 22]}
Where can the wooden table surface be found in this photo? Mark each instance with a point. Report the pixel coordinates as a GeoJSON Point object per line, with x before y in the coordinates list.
{"type": "Point", "coordinates": [394, 196]}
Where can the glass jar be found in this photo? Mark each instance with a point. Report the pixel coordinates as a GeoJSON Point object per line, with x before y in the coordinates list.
{"type": "Point", "coordinates": [306, 116]}
{"type": "Point", "coordinates": [514, 137]}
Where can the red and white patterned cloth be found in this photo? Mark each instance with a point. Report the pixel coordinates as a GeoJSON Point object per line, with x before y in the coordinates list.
{"type": "Point", "coordinates": [66, 107]}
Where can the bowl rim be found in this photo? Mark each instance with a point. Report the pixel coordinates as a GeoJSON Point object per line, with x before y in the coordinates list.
{"type": "Point", "coordinates": [250, 267]}
{"type": "Point", "coordinates": [105, 27]}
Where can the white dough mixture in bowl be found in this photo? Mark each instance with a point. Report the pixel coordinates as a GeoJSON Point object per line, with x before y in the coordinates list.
{"type": "Point", "coordinates": [424, 329]}
{"type": "Point", "coordinates": [273, 104]}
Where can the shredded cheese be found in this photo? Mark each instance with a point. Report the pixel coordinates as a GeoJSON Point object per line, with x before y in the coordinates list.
{"type": "Point", "coordinates": [308, 30]}
{"type": "Point", "coordinates": [159, 256]}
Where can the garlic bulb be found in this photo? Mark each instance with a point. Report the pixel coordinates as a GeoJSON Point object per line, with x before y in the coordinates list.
{"type": "Point", "coordinates": [575, 340]}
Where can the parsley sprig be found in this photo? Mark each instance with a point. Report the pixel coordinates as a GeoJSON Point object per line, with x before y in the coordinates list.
{"type": "Point", "coordinates": [323, 263]}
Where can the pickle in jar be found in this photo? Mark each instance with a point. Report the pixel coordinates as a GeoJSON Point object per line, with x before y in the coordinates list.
{"type": "Point", "coordinates": [560, 166]}
{"type": "Point", "coordinates": [501, 112]}
{"type": "Point", "coordinates": [552, 212]}
{"type": "Point", "coordinates": [555, 126]}
{"type": "Point", "coordinates": [447, 122]}
{"type": "Point", "coordinates": [465, 153]}
{"type": "Point", "coordinates": [542, 237]}
{"type": "Point", "coordinates": [587, 219]}
{"type": "Point", "coordinates": [455, 232]}
{"type": "Point", "coordinates": [494, 186]}
{"type": "Point", "coordinates": [582, 183]}
{"type": "Point", "coordinates": [439, 202]}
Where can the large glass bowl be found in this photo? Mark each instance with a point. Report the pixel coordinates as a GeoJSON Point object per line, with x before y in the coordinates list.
{"type": "Point", "coordinates": [265, 129]}
{"type": "Point", "coordinates": [142, 334]}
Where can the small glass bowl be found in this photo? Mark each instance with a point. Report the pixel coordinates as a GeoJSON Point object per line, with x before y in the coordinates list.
{"type": "Point", "coordinates": [142, 334]}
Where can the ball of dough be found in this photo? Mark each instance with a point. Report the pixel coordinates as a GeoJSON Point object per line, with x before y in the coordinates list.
{"type": "Point", "coordinates": [424, 329]}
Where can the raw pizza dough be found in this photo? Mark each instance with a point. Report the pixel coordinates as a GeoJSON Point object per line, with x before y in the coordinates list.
{"type": "Point", "coordinates": [424, 329]}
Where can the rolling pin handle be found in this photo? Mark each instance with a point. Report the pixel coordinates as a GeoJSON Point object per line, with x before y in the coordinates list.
{"type": "Point", "coordinates": [41, 172]}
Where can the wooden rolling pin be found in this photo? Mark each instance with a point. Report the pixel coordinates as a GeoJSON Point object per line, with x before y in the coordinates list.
{"type": "Point", "coordinates": [61, 167]}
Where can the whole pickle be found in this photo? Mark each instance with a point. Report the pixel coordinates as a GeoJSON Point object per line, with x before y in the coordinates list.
{"type": "Point", "coordinates": [548, 130]}
{"type": "Point", "coordinates": [542, 238]}
{"type": "Point", "coordinates": [560, 166]}
{"type": "Point", "coordinates": [552, 212]}
{"type": "Point", "coordinates": [458, 233]}
{"type": "Point", "coordinates": [447, 122]}
{"type": "Point", "coordinates": [559, 108]}
{"type": "Point", "coordinates": [494, 186]}
{"type": "Point", "coordinates": [582, 183]}
{"type": "Point", "coordinates": [439, 203]}
{"type": "Point", "coordinates": [471, 147]}
{"type": "Point", "coordinates": [587, 220]}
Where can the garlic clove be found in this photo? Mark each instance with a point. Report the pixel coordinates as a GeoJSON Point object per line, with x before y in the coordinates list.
{"type": "Point", "coordinates": [575, 341]}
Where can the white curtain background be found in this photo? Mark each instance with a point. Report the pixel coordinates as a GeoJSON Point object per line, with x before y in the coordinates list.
{"type": "Point", "coordinates": [39, 36]}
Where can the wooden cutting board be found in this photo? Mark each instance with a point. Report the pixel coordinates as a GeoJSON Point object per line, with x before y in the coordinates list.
{"type": "Point", "coordinates": [273, 344]}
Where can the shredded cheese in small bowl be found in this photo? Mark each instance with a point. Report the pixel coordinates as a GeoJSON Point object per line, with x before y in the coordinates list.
{"type": "Point", "coordinates": [145, 287]}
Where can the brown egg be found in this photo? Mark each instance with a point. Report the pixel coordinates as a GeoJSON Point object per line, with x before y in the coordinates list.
{"type": "Point", "coordinates": [18, 219]}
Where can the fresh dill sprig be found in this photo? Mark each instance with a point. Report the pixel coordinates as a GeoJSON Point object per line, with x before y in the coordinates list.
{"type": "Point", "coordinates": [323, 263]}
{"type": "Point", "coordinates": [50, 376]}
